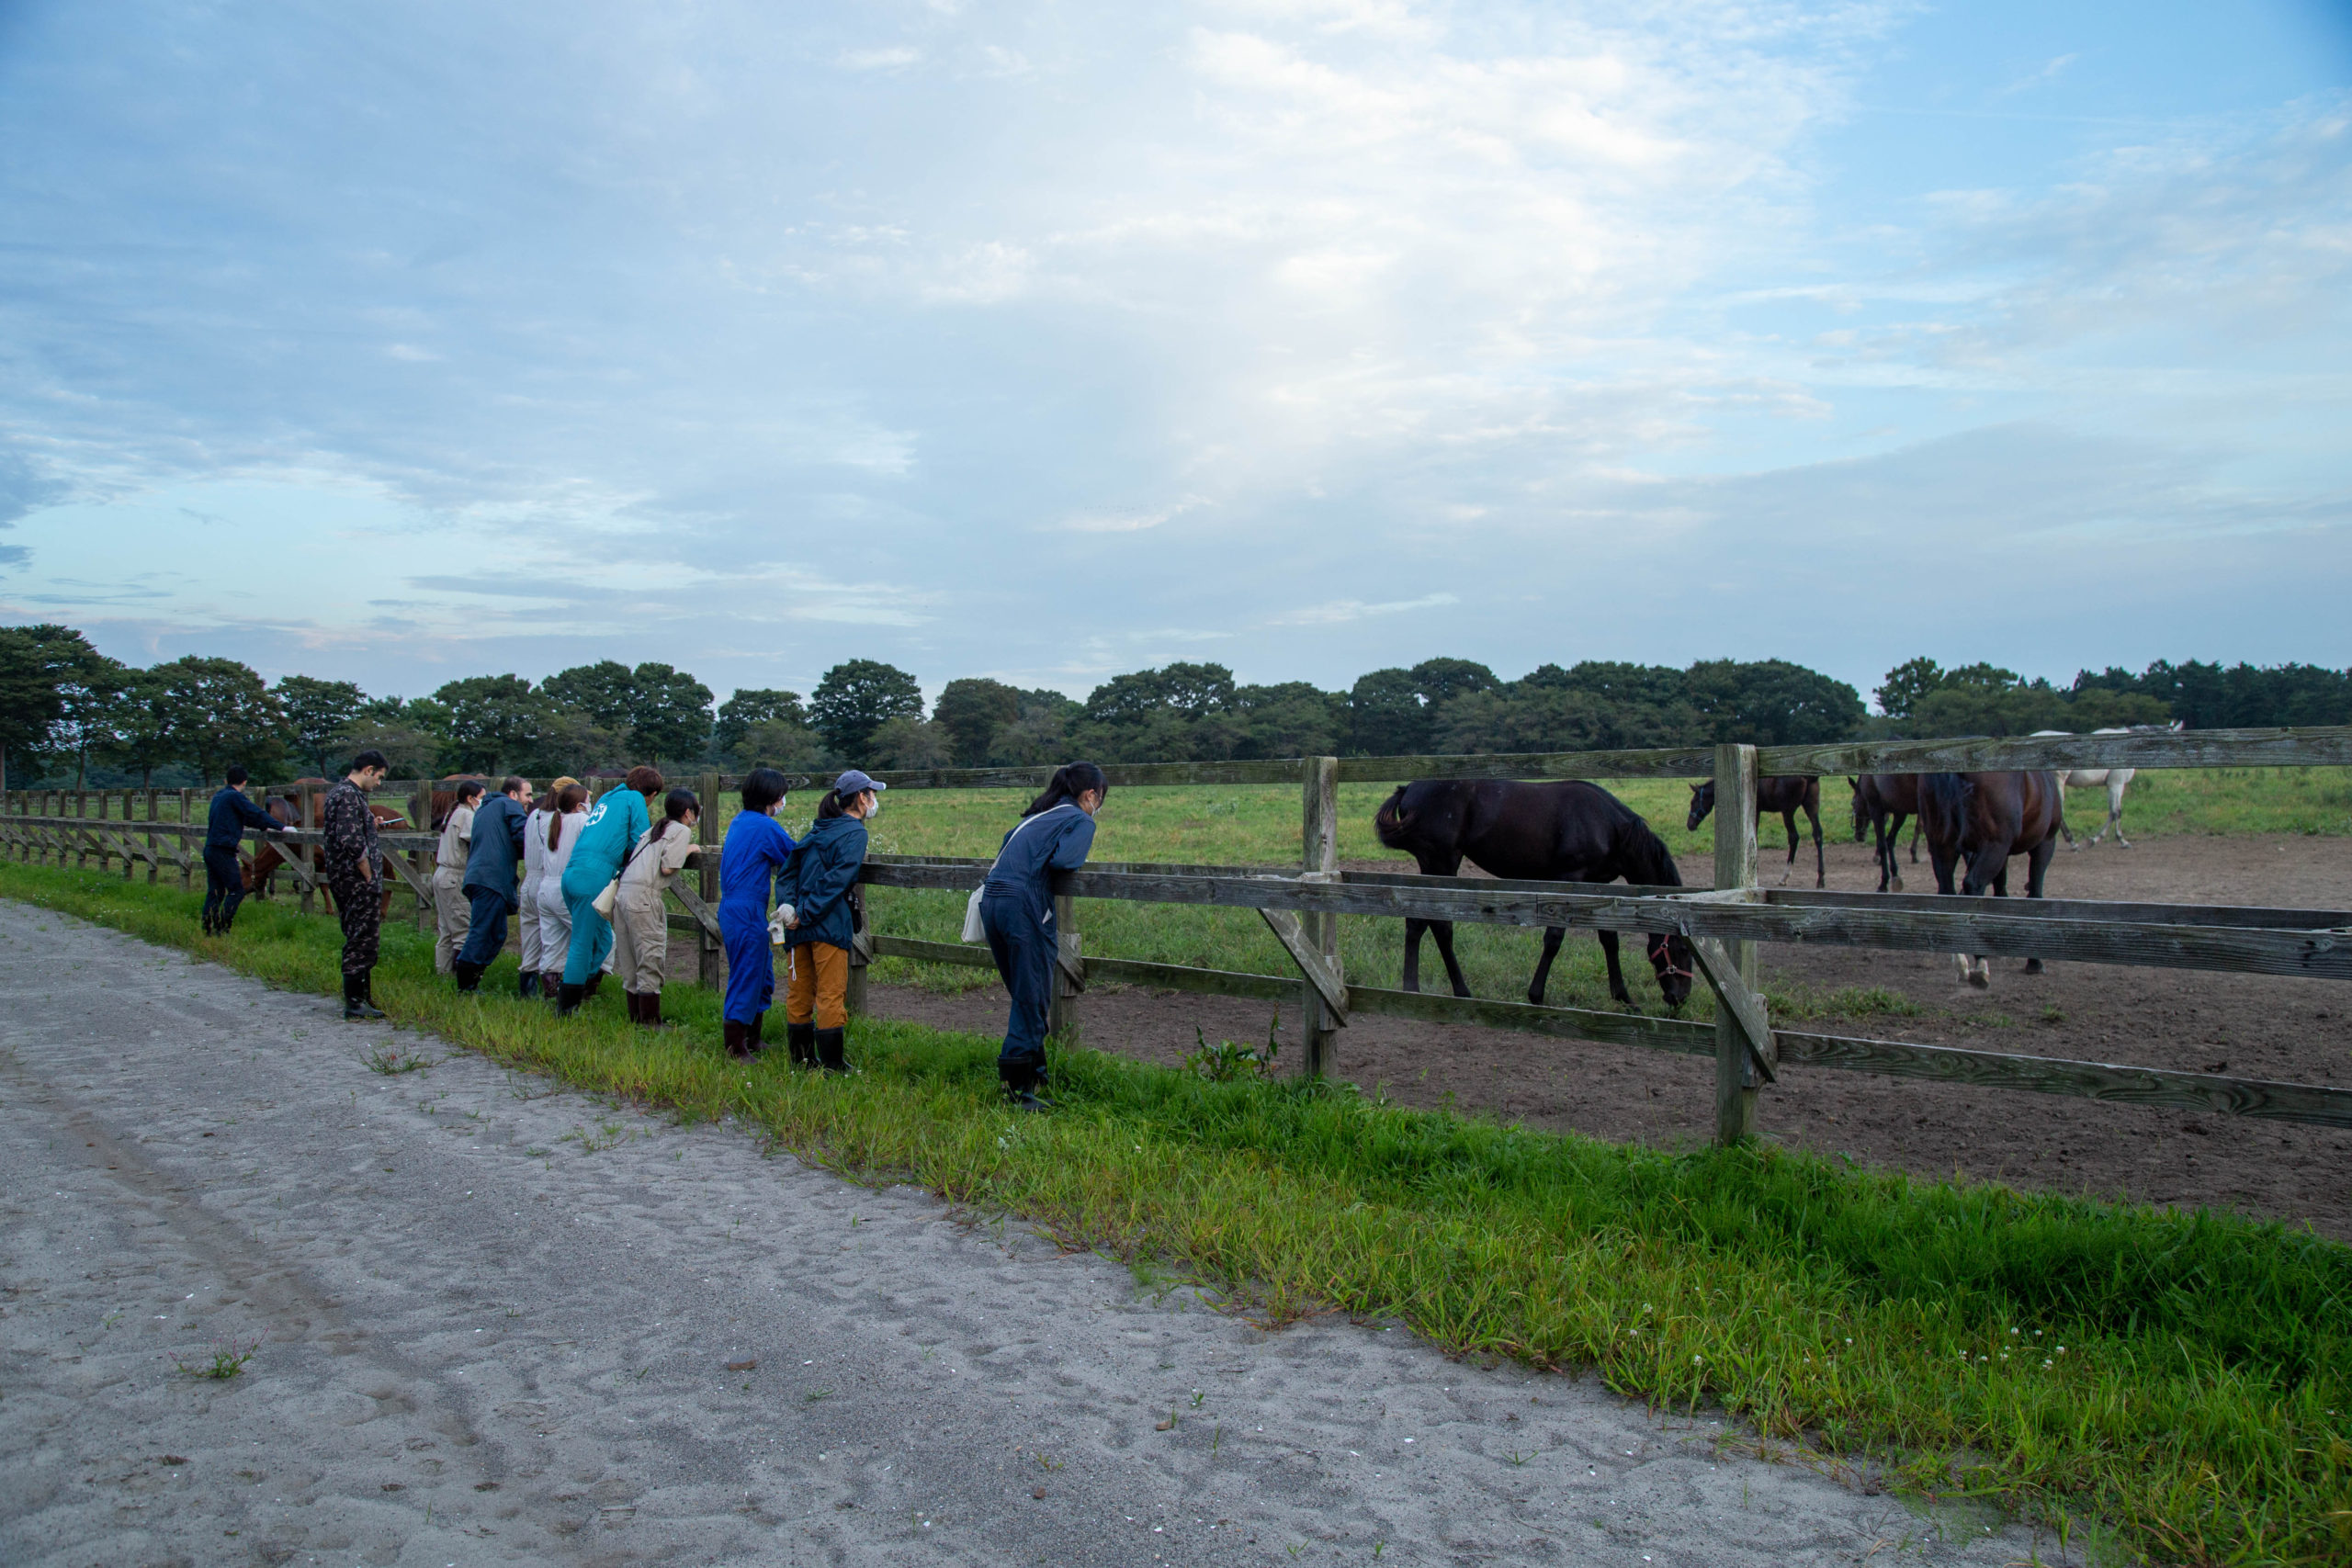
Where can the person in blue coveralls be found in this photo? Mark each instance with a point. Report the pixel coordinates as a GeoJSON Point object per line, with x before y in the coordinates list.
{"type": "Point", "coordinates": [757, 847]}
{"type": "Point", "coordinates": [824, 922]}
{"type": "Point", "coordinates": [614, 823]}
{"type": "Point", "coordinates": [225, 880]}
{"type": "Point", "coordinates": [1017, 912]}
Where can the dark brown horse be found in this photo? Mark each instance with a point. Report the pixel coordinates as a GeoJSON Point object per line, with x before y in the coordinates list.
{"type": "Point", "coordinates": [286, 807]}
{"type": "Point", "coordinates": [1786, 795]}
{"type": "Point", "coordinates": [1542, 832]}
{"type": "Point", "coordinates": [1881, 802]}
{"type": "Point", "coordinates": [1985, 820]}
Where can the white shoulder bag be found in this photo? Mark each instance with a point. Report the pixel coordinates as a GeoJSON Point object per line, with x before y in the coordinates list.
{"type": "Point", "coordinates": [973, 930]}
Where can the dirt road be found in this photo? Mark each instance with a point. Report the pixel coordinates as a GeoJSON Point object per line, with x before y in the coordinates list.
{"type": "Point", "coordinates": [493, 1322]}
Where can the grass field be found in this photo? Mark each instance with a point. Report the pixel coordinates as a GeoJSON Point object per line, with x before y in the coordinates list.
{"type": "Point", "coordinates": [2178, 1386]}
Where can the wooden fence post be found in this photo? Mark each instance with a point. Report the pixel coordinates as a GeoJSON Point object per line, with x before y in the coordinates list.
{"type": "Point", "coordinates": [710, 959]}
{"type": "Point", "coordinates": [1062, 1020]}
{"type": "Point", "coordinates": [1735, 867]}
{"type": "Point", "coordinates": [81, 844]}
{"type": "Point", "coordinates": [1319, 857]}
{"type": "Point", "coordinates": [420, 821]}
{"type": "Point", "coordinates": [188, 845]}
{"type": "Point", "coordinates": [155, 863]}
{"type": "Point", "coordinates": [309, 817]}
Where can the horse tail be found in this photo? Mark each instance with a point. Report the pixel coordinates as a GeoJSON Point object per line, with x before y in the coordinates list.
{"type": "Point", "coordinates": [1943, 807]}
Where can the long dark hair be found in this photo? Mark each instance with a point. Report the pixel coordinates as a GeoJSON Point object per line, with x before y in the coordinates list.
{"type": "Point", "coordinates": [674, 806]}
{"type": "Point", "coordinates": [830, 806]}
{"type": "Point", "coordinates": [572, 796]}
{"type": "Point", "coordinates": [1070, 780]}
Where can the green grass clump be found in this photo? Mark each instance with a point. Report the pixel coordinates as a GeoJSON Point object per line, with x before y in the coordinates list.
{"type": "Point", "coordinates": [2198, 1408]}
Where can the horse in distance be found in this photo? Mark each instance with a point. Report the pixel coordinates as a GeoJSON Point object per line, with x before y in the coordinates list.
{"type": "Point", "coordinates": [2114, 780]}
{"type": "Point", "coordinates": [1786, 795]}
{"type": "Point", "coordinates": [1541, 832]}
{"type": "Point", "coordinates": [1882, 803]}
{"type": "Point", "coordinates": [1986, 819]}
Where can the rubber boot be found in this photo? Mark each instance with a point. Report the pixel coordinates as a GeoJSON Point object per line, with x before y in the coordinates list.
{"type": "Point", "coordinates": [527, 983]}
{"type": "Point", "coordinates": [650, 1004]}
{"type": "Point", "coordinates": [469, 977]}
{"type": "Point", "coordinates": [588, 992]}
{"type": "Point", "coordinates": [738, 1039]}
{"type": "Point", "coordinates": [1023, 1080]}
{"type": "Point", "coordinates": [356, 1005]}
{"type": "Point", "coordinates": [828, 1052]}
{"type": "Point", "coordinates": [800, 1039]}
{"type": "Point", "coordinates": [567, 1000]}
{"type": "Point", "coordinates": [551, 986]}
{"type": "Point", "coordinates": [629, 1002]}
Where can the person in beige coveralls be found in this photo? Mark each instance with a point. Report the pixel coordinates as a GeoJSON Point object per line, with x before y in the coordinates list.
{"type": "Point", "coordinates": [641, 923]}
{"type": "Point", "coordinates": [452, 913]}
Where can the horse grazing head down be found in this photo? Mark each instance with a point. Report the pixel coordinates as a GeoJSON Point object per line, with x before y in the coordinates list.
{"type": "Point", "coordinates": [1670, 956]}
{"type": "Point", "coordinates": [1703, 801]}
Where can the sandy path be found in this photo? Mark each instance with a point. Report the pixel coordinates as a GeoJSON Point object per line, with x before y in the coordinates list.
{"type": "Point", "coordinates": [481, 1338]}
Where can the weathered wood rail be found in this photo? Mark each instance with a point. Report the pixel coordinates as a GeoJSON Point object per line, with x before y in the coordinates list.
{"type": "Point", "coordinates": [1725, 923]}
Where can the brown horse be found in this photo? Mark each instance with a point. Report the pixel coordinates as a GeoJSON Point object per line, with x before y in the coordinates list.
{"type": "Point", "coordinates": [1882, 801]}
{"type": "Point", "coordinates": [1986, 818]}
{"type": "Point", "coordinates": [1787, 795]}
{"type": "Point", "coordinates": [286, 807]}
{"type": "Point", "coordinates": [1545, 833]}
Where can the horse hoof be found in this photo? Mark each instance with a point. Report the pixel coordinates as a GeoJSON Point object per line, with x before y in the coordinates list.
{"type": "Point", "coordinates": [1898, 884]}
{"type": "Point", "coordinates": [2034, 966]}
{"type": "Point", "coordinates": [1981, 982]}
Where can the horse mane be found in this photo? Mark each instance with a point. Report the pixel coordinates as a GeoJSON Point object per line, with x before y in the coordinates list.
{"type": "Point", "coordinates": [1646, 858]}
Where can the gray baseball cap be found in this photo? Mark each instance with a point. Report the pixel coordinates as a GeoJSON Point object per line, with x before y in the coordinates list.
{"type": "Point", "coordinates": [853, 782]}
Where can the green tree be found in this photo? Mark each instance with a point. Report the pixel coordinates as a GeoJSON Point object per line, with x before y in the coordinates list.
{"type": "Point", "coordinates": [973, 709]}
{"type": "Point", "coordinates": [1292, 718]}
{"type": "Point", "coordinates": [1771, 702]}
{"type": "Point", "coordinates": [753, 706]}
{"type": "Point", "coordinates": [89, 713]}
{"type": "Point", "coordinates": [905, 742]}
{"type": "Point", "coordinates": [855, 698]}
{"type": "Point", "coordinates": [217, 711]}
{"type": "Point", "coordinates": [604, 691]}
{"type": "Point", "coordinates": [318, 713]}
{"type": "Point", "coordinates": [784, 744]}
{"type": "Point", "coordinates": [491, 719]}
{"type": "Point", "coordinates": [1899, 695]}
{"type": "Point", "coordinates": [1440, 680]}
{"type": "Point", "coordinates": [142, 732]}
{"type": "Point", "coordinates": [669, 714]}
{"type": "Point", "coordinates": [1387, 716]}
{"type": "Point", "coordinates": [34, 665]}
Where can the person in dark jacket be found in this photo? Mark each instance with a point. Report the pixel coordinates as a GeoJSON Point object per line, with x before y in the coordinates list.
{"type": "Point", "coordinates": [757, 848]}
{"type": "Point", "coordinates": [818, 885]}
{"type": "Point", "coordinates": [1017, 912]}
{"type": "Point", "coordinates": [354, 867]}
{"type": "Point", "coordinates": [234, 813]}
{"type": "Point", "coordinates": [490, 887]}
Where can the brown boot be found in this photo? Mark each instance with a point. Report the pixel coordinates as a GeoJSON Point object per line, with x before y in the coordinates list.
{"type": "Point", "coordinates": [635, 1012]}
{"type": "Point", "coordinates": [650, 1006]}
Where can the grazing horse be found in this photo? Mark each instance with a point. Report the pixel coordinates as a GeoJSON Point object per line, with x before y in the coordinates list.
{"type": "Point", "coordinates": [1882, 801]}
{"type": "Point", "coordinates": [1543, 832]}
{"type": "Point", "coordinates": [1985, 818]}
{"type": "Point", "coordinates": [1786, 795]}
{"type": "Point", "coordinates": [2114, 779]}
{"type": "Point", "coordinates": [286, 809]}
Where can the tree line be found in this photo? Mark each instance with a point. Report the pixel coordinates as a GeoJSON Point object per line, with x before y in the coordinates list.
{"type": "Point", "coordinates": [71, 714]}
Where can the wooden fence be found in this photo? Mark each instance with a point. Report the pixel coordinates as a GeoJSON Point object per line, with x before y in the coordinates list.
{"type": "Point", "coordinates": [1724, 923]}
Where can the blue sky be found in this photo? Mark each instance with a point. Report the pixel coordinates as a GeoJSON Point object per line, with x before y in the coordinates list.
{"type": "Point", "coordinates": [396, 343]}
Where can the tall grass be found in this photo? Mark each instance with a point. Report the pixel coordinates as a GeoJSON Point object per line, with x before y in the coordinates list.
{"type": "Point", "coordinates": [2180, 1380]}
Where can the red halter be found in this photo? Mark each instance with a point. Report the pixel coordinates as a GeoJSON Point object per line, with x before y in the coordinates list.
{"type": "Point", "coordinates": [1662, 955]}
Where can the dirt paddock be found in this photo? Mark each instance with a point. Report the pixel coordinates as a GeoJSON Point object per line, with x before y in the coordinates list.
{"type": "Point", "coordinates": [2252, 1026]}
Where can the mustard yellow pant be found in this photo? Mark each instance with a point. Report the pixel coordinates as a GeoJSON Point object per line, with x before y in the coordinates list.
{"type": "Point", "coordinates": [819, 990]}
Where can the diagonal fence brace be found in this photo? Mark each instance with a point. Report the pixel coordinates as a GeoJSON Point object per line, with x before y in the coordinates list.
{"type": "Point", "coordinates": [1747, 1008]}
{"type": "Point", "coordinates": [1319, 971]}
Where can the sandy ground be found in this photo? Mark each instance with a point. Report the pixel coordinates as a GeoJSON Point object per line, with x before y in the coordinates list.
{"type": "Point", "coordinates": [495, 1321]}
{"type": "Point", "coordinates": [2257, 1026]}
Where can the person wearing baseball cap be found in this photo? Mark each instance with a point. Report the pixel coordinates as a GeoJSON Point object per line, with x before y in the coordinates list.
{"type": "Point", "coordinates": [820, 877]}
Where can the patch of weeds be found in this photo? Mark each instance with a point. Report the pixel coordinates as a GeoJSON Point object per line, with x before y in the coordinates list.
{"type": "Point", "coordinates": [2053, 1015]}
{"type": "Point", "coordinates": [1996, 1020]}
{"type": "Point", "coordinates": [1230, 1062]}
{"type": "Point", "coordinates": [817, 1395]}
{"type": "Point", "coordinates": [217, 1362]}
{"type": "Point", "coordinates": [392, 1061]}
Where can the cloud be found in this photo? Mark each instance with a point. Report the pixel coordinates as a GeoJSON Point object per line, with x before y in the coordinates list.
{"type": "Point", "coordinates": [1340, 610]}
{"type": "Point", "coordinates": [893, 57]}
{"type": "Point", "coordinates": [1135, 522]}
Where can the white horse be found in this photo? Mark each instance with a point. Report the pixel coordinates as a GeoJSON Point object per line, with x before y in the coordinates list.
{"type": "Point", "coordinates": [2115, 779]}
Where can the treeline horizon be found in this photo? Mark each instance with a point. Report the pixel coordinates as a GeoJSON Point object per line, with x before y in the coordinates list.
{"type": "Point", "coordinates": [71, 716]}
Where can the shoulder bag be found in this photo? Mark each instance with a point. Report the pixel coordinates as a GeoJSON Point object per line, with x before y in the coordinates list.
{"type": "Point", "coordinates": [973, 930]}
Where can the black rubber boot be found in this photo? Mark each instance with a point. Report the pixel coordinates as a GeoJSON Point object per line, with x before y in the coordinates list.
{"type": "Point", "coordinates": [738, 1038]}
{"type": "Point", "coordinates": [469, 977]}
{"type": "Point", "coordinates": [356, 1005]}
{"type": "Point", "coordinates": [1024, 1085]}
{"type": "Point", "coordinates": [527, 983]}
{"type": "Point", "coordinates": [567, 1000]}
{"type": "Point", "coordinates": [755, 1034]}
{"type": "Point", "coordinates": [551, 986]}
{"type": "Point", "coordinates": [649, 1005]}
{"type": "Point", "coordinates": [629, 1002]}
{"type": "Point", "coordinates": [800, 1039]}
{"type": "Point", "coordinates": [828, 1052]}
{"type": "Point", "coordinates": [588, 991]}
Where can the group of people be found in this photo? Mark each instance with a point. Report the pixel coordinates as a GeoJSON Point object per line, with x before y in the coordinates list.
{"type": "Point", "coordinates": [584, 883]}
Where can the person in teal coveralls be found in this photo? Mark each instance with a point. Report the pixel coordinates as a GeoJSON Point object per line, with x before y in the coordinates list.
{"type": "Point", "coordinates": [617, 820]}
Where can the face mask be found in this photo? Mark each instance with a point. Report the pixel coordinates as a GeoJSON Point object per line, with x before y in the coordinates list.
{"type": "Point", "coordinates": [873, 808]}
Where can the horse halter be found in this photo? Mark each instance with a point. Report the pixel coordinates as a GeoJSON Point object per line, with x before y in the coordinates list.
{"type": "Point", "coordinates": [1662, 955]}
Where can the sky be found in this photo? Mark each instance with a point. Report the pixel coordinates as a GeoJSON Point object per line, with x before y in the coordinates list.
{"type": "Point", "coordinates": [1046, 341]}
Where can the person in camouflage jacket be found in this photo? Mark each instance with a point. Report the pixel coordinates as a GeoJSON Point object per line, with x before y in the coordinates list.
{"type": "Point", "coordinates": [355, 877]}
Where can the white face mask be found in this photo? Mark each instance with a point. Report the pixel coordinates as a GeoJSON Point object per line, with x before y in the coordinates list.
{"type": "Point", "coordinates": [872, 806]}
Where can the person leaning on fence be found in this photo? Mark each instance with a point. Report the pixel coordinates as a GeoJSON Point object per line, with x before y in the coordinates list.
{"type": "Point", "coordinates": [355, 868]}
{"type": "Point", "coordinates": [1017, 913]}
{"type": "Point", "coordinates": [614, 824]}
{"type": "Point", "coordinates": [757, 848]}
{"type": "Point", "coordinates": [640, 918]}
{"type": "Point", "coordinates": [490, 878]}
{"type": "Point", "coordinates": [452, 915]}
{"type": "Point", "coordinates": [564, 821]}
{"type": "Point", "coordinates": [817, 884]}
{"type": "Point", "coordinates": [234, 812]}
{"type": "Point", "coordinates": [527, 896]}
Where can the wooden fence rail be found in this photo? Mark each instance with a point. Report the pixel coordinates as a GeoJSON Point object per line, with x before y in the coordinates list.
{"type": "Point", "coordinates": [1724, 923]}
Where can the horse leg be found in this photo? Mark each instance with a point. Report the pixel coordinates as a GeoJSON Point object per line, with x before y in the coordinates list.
{"type": "Point", "coordinates": [1894, 836]}
{"type": "Point", "coordinates": [1617, 990]}
{"type": "Point", "coordinates": [1914, 846]}
{"type": "Point", "coordinates": [1413, 930]}
{"type": "Point", "coordinates": [1443, 931]}
{"type": "Point", "coordinates": [2037, 866]}
{"type": "Point", "coordinates": [1552, 935]}
{"type": "Point", "coordinates": [1820, 859]}
{"type": "Point", "coordinates": [1789, 821]}
{"type": "Point", "coordinates": [2115, 812]}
